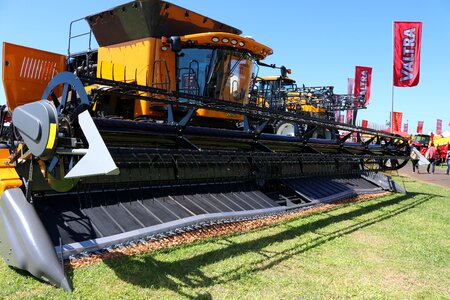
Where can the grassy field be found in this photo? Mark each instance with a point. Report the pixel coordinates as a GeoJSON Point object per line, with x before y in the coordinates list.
{"type": "Point", "coordinates": [396, 246]}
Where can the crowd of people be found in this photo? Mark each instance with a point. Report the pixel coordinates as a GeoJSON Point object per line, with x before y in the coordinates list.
{"type": "Point", "coordinates": [432, 157]}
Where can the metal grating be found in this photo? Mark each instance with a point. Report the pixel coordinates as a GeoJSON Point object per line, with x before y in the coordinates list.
{"type": "Point", "coordinates": [326, 189]}
{"type": "Point", "coordinates": [84, 216]}
{"type": "Point", "coordinates": [89, 220]}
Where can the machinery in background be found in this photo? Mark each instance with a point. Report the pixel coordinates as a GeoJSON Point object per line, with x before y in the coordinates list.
{"type": "Point", "coordinates": [154, 132]}
{"type": "Point", "coordinates": [282, 93]}
{"type": "Point", "coordinates": [421, 142]}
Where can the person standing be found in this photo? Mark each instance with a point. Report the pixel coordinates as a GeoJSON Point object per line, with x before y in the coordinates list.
{"type": "Point", "coordinates": [415, 160]}
{"type": "Point", "coordinates": [446, 148]}
{"type": "Point", "coordinates": [448, 159]}
{"type": "Point", "coordinates": [431, 156]}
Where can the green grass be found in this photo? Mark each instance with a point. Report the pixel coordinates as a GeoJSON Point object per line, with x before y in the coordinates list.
{"type": "Point", "coordinates": [395, 246]}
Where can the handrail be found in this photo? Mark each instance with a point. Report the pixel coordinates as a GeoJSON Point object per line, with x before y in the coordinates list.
{"type": "Point", "coordinates": [77, 36]}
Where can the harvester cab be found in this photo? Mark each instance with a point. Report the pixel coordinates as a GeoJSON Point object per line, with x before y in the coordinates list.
{"type": "Point", "coordinates": [166, 47]}
{"type": "Point", "coordinates": [137, 140]}
{"type": "Point", "coordinates": [271, 90]}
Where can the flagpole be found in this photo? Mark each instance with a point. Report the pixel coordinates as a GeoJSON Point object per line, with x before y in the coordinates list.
{"type": "Point", "coordinates": [392, 107]}
{"type": "Point", "coordinates": [393, 66]}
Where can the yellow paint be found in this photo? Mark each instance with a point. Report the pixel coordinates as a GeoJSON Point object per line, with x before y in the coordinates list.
{"type": "Point", "coordinates": [441, 141]}
{"type": "Point", "coordinates": [8, 175]}
{"type": "Point", "coordinates": [219, 115]}
{"type": "Point", "coordinates": [224, 40]}
{"type": "Point", "coordinates": [127, 62]}
{"type": "Point", "coordinates": [51, 137]}
{"type": "Point", "coordinates": [275, 78]}
{"type": "Point", "coordinates": [312, 108]}
{"type": "Point", "coordinates": [142, 62]}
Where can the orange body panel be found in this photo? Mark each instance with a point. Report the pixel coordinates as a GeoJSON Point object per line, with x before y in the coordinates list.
{"type": "Point", "coordinates": [26, 73]}
{"type": "Point", "coordinates": [219, 115]}
{"type": "Point", "coordinates": [8, 175]}
{"type": "Point", "coordinates": [144, 62]}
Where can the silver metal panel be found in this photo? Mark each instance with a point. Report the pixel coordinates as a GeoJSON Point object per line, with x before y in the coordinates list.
{"type": "Point", "coordinates": [24, 242]}
{"type": "Point", "coordinates": [98, 160]}
{"type": "Point", "coordinates": [33, 121]}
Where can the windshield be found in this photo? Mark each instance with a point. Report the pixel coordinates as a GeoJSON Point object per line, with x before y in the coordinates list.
{"type": "Point", "coordinates": [216, 73]}
{"type": "Point", "coordinates": [288, 86]}
{"type": "Point", "coordinates": [276, 85]}
{"type": "Point", "coordinates": [423, 139]}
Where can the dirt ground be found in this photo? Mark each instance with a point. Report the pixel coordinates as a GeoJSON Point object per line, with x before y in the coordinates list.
{"type": "Point", "coordinates": [439, 177]}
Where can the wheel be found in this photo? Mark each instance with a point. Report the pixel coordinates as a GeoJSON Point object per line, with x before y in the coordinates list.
{"type": "Point", "coordinates": [72, 101]}
{"type": "Point", "coordinates": [286, 129]}
{"type": "Point", "coordinates": [73, 93]}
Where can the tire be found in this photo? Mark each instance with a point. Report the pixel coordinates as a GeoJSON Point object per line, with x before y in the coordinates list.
{"type": "Point", "coordinates": [285, 129]}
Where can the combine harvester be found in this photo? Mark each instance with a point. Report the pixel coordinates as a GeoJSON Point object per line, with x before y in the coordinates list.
{"type": "Point", "coordinates": [153, 133]}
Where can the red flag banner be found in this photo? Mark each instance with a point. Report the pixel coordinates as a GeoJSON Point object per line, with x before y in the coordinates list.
{"type": "Point", "coordinates": [405, 127]}
{"type": "Point", "coordinates": [364, 123]}
{"type": "Point", "coordinates": [439, 127]}
{"type": "Point", "coordinates": [363, 77]}
{"type": "Point", "coordinates": [407, 39]}
{"type": "Point", "coordinates": [397, 121]}
{"type": "Point", "coordinates": [420, 127]}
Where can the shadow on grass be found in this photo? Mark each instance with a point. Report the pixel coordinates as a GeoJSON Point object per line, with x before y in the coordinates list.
{"type": "Point", "coordinates": [181, 276]}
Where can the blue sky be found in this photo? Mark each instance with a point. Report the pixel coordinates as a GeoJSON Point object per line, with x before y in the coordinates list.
{"type": "Point", "coordinates": [321, 41]}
